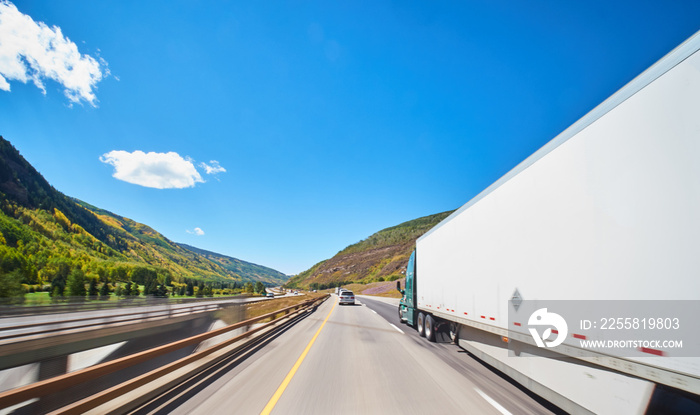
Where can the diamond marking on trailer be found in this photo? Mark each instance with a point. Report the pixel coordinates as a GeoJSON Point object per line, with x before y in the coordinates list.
{"type": "Point", "coordinates": [516, 300]}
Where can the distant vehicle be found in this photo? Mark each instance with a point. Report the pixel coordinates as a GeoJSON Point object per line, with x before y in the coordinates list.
{"type": "Point", "coordinates": [346, 297]}
{"type": "Point", "coordinates": [271, 295]}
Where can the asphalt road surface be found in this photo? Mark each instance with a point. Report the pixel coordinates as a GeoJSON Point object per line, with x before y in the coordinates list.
{"type": "Point", "coordinates": [357, 360]}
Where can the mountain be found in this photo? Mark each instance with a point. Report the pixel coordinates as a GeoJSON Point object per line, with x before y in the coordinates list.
{"type": "Point", "coordinates": [44, 233]}
{"type": "Point", "coordinates": [382, 256]}
{"type": "Point", "coordinates": [238, 267]}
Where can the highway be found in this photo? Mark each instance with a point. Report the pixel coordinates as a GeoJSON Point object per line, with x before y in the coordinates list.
{"type": "Point", "coordinates": [353, 359]}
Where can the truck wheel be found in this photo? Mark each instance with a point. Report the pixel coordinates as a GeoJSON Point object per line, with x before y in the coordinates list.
{"type": "Point", "coordinates": [454, 332]}
{"type": "Point", "coordinates": [421, 324]}
{"type": "Point", "coordinates": [429, 328]}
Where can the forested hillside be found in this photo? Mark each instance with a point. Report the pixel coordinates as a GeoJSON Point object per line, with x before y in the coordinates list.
{"type": "Point", "coordinates": [381, 257]}
{"type": "Point", "coordinates": [47, 237]}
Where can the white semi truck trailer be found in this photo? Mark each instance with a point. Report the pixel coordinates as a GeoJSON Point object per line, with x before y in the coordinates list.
{"type": "Point", "coordinates": [609, 210]}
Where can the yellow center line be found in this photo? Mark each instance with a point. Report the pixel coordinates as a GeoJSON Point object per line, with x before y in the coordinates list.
{"type": "Point", "coordinates": [278, 394]}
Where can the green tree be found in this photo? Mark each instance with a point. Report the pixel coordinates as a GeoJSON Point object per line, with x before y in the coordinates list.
{"type": "Point", "coordinates": [56, 293]}
{"type": "Point", "coordinates": [92, 288]}
{"type": "Point", "coordinates": [119, 274]}
{"type": "Point", "coordinates": [207, 291]}
{"type": "Point", "coordinates": [259, 287]}
{"type": "Point", "coordinates": [135, 291]}
{"type": "Point", "coordinates": [151, 287]}
{"type": "Point", "coordinates": [104, 291]}
{"type": "Point", "coordinates": [162, 291]}
{"type": "Point", "coordinates": [190, 289]}
{"type": "Point", "coordinates": [11, 286]}
{"type": "Point", "coordinates": [103, 273]}
{"type": "Point", "coordinates": [126, 291]}
{"type": "Point", "coordinates": [58, 286]}
{"type": "Point", "coordinates": [12, 259]}
{"type": "Point", "coordinates": [143, 276]}
{"type": "Point", "coordinates": [248, 287]}
{"type": "Point", "coordinates": [76, 283]}
{"type": "Point", "coordinates": [58, 269]}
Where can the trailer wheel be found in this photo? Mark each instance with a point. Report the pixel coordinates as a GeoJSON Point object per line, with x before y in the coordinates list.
{"type": "Point", "coordinates": [454, 331]}
{"type": "Point", "coordinates": [429, 328]}
{"type": "Point", "coordinates": [421, 324]}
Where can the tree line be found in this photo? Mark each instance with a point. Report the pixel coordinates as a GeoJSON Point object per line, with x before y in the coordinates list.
{"type": "Point", "coordinates": [71, 277]}
{"type": "Point", "coordinates": [44, 251]}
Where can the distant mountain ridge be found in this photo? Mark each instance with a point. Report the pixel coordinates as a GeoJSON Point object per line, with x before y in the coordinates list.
{"type": "Point", "coordinates": [41, 228]}
{"type": "Point", "coordinates": [382, 256]}
{"type": "Point", "coordinates": [259, 272]}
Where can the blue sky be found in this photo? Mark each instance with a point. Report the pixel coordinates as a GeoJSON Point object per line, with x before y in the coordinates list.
{"type": "Point", "coordinates": [281, 132]}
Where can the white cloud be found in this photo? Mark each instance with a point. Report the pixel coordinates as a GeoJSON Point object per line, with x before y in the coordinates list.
{"type": "Point", "coordinates": [213, 167]}
{"type": "Point", "coordinates": [32, 51]}
{"type": "Point", "coordinates": [196, 231]}
{"type": "Point", "coordinates": [156, 170]}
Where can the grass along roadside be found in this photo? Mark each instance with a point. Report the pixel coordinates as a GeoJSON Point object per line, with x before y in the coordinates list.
{"type": "Point", "coordinates": [385, 289]}
{"type": "Point", "coordinates": [264, 307]}
{"type": "Point", "coordinates": [377, 289]}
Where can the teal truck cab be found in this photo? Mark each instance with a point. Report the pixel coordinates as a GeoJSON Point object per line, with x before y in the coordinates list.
{"type": "Point", "coordinates": [407, 305]}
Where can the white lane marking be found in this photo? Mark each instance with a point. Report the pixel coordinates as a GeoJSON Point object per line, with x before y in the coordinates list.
{"type": "Point", "coordinates": [493, 403]}
{"type": "Point", "coordinates": [400, 331]}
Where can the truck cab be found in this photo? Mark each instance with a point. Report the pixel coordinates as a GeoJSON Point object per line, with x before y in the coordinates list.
{"type": "Point", "coordinates": [407, 305]}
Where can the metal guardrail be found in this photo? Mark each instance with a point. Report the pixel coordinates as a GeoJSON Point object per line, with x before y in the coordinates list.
{"type": "Point", "coordinates": [115, 319]}
{"type": "Point", "coordinates": [75, 304]}
{"type": "Point", "coordinates": [62, 382]}
{"type": "Point", "coordinates": [103, 320]}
